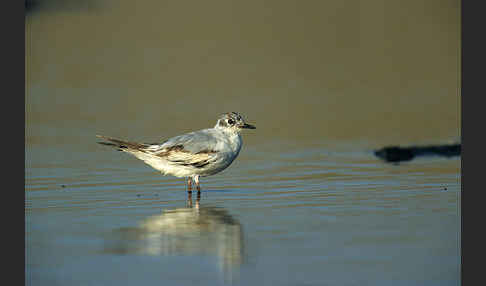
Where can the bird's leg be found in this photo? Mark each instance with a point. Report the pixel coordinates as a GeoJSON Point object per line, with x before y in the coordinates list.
{"type": "Point", "coordinates": [189, 185]}
{"type": "Point", "coordinates": [196, 180]}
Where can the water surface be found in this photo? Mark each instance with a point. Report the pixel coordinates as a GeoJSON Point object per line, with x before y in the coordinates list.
{"type": "Point", "coordinates": [314, 216]}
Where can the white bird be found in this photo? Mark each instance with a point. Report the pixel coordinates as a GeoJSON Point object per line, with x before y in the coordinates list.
{"type": "Point", "coordinates": [196, 154]}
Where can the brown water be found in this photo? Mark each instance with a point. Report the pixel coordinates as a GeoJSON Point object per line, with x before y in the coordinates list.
{"type": "Point", "coordinates": [305, 203]}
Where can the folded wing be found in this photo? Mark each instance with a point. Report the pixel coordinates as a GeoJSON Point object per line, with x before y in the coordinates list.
{"type": "Point", "coordinates": [196, 149]}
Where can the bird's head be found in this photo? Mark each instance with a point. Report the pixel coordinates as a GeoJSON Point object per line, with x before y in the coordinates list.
{"type": "Point", "coordinates": [233, 121]}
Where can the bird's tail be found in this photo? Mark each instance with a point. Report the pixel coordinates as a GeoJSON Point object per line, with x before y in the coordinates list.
{"type": "Point", "coordinates": [122, 145]}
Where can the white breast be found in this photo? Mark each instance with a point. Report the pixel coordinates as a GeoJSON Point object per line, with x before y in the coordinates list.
{"type": "Point", "coordinates": [228, 150]}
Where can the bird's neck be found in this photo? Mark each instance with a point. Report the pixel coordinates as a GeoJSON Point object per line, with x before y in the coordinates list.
{"type": "Point", "coordinates": [232, 136]}
{"type": "Point", "coordinates": [235, 141]}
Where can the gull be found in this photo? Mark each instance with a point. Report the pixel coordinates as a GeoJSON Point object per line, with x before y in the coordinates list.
{"type": "Point", "coordinates": [192, 155]}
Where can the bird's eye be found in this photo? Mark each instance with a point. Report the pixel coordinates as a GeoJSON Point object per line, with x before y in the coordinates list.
{"type": "Point", "coordinates": [230, 121]}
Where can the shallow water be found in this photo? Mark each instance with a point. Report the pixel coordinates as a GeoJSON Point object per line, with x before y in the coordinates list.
{"type": "Point", "coordinates": [305, 203]}
{"type": "Point", "coordinates": [313, 217]}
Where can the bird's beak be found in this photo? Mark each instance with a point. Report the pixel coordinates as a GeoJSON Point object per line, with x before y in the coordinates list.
{"type": "Point", "coordinates": [248, 126]}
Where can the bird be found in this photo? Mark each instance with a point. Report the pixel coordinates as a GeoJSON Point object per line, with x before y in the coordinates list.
{"type": "Point", "coordinates": [192, 155]}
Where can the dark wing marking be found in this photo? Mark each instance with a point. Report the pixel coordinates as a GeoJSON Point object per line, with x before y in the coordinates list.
{"type": "Point", "coordinates": [178, 155]}
{"type": "Point", "coordinates": [122, 144]}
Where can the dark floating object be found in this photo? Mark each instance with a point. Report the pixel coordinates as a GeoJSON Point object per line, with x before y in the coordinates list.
{"type": "Point", "coordinates": [397, 154]}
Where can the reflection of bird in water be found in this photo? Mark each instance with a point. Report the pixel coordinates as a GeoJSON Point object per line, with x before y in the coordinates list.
{"type": "Point", "coordinates": [191, 230]}
{"type": "Point", "coordinates": [189, 199]}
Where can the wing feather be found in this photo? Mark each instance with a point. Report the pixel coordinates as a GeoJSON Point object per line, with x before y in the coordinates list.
{"type": "Point", "coordinates": [195, 149]}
